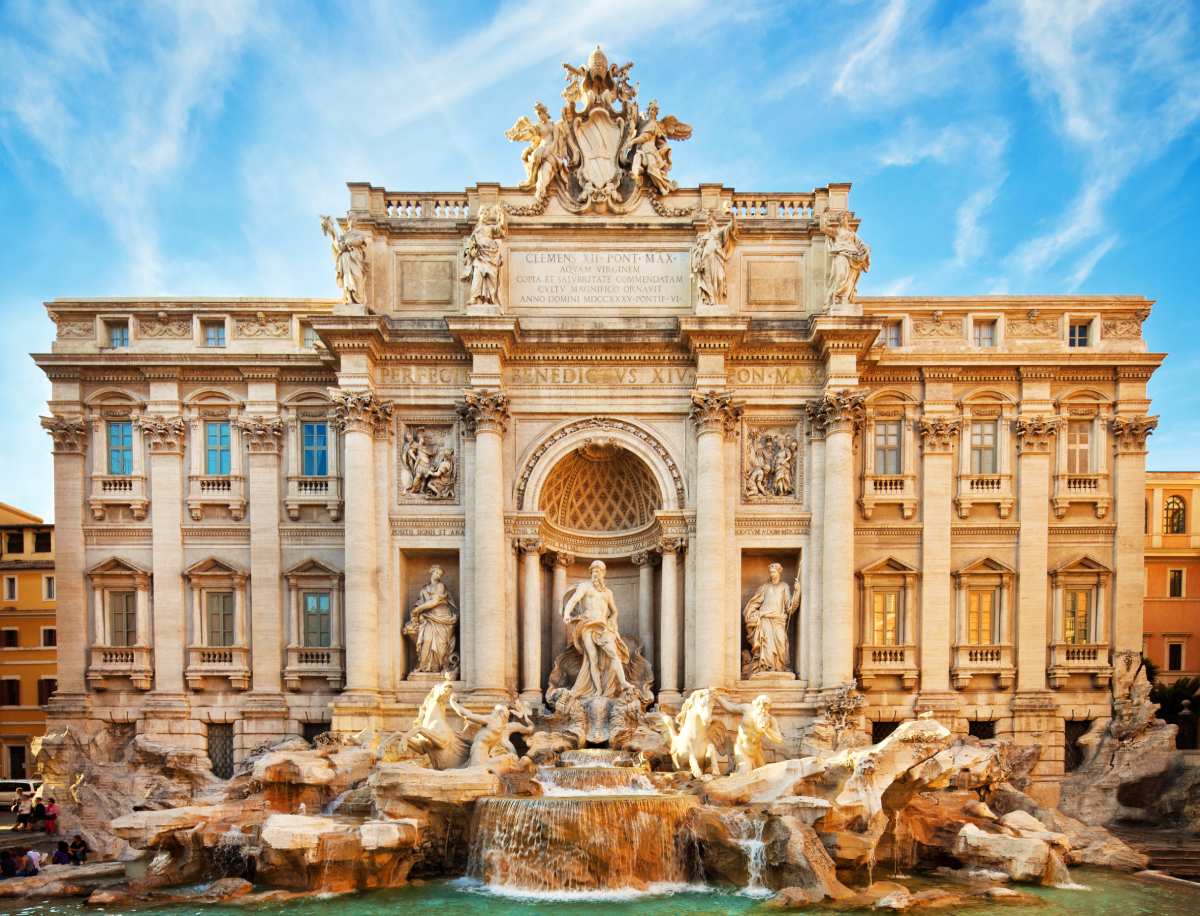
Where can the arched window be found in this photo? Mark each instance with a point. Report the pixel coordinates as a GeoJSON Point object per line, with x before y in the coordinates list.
{"type": "Point", "coordinates": [1175, 516]}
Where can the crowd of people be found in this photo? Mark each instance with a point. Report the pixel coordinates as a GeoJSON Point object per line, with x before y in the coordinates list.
{"type": "Point", "coordinates": [34, 814]}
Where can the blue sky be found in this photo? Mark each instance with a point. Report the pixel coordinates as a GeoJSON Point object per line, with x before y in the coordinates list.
{"type": "Point", "coordinates": [186, 149]}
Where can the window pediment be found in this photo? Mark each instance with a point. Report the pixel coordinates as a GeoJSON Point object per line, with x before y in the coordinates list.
{"type": "Point", "coordinates": [117, 566]}
{"type": "Point", "coordinates": [311, 572]}
{"type": "Point", "coordinates": [985, 566]}
{"type": "Point", "coordinates": [211, 569]}
{"type": "Point", "coordinates": [888, 566]}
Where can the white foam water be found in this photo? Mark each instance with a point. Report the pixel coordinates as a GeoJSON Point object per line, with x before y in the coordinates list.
{"type": "Point", "coordinates": [610, 895]}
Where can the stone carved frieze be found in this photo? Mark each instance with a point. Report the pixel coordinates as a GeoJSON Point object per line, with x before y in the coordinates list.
{"type": "Point", "coordinates": [82, 329]}
{"type": "Point", "coordinates": [769, 457]}
{"type": "Point", "coordinates": [483, 256]}
{"type": "Point", "coordinates": [849, 257]}
{"type": "Point", "coordinates": [163, 435]}
{"type": "Point", "coordinates": [69, 434]}
{"type": "Point", "coordinates": [484, 410]}
{"type": "Point", "coordinates": [837, 411]}
{"type": "Point", "coordinates": [163, 327]}
{"type": "Point", "coordinates": [938, 433]}
{"type": "Point", "coordinates": [709, 257]}
{"type": "Point", "coordinates": [1031, 327]}
{"type": "Point", "coordinates": [715, 411]}
{"type": "Point", "coordinates": [262, 326]}
{"type": "Point", "coordinates": [262, 435]}
{"type": "Point", "coordinates": [1121, 328]}
{"type": "Point", "coordinates": [600, 424]}
{"type": "Point", "coordinates": [428, 462]}
{"type": "Point", "coordinates": [1130, 433]}
{"type": "Point", "coordinates": [604, 153]}
{"type": "Point", "coordinates": [938, 327]}
{"type": "Point", "coordinates": [349, 248]}
{"type": "Point", "coordinates": [359, 411]}
{"type": "Point", "coordinates": [1035, 432]}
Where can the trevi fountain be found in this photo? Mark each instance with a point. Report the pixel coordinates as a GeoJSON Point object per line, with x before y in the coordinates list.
{"type": "Point", "coordinates": [727, 695]}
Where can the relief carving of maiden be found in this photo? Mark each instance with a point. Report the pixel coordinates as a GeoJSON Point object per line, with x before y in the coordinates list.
{"type": "Point", "coordinates": [431, 626]}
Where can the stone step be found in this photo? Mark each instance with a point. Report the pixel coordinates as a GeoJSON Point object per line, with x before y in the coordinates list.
{"type": "Point", "coordinates": [1175, 852]}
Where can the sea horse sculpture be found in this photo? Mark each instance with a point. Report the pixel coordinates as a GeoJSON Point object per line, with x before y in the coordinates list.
{"type": "Point", "coordinates": [691, 734]}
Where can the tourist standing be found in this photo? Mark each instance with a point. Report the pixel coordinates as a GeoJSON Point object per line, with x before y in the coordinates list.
{"type": "Point", "coordinates": [52, 816]}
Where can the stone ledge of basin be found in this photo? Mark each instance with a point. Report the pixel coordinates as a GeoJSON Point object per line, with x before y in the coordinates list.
{"type": "Point", "coordinates": [72, 878]}
{"type": "Point", "coordinates": [149, 828]}
{"type": "Point", "coordinates": [409, 781]}
{"type": "Point", "coordinates": [346, 765]}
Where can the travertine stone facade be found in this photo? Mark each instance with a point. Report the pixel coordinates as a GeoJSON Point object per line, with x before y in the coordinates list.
{"type": "Point", "coordinates": [960, 498]}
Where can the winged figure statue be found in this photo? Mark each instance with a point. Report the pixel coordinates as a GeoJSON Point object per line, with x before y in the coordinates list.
{"type": "Point", "coordinates": [549, 147]}
{"type": "Point", "coordinates": [647, 149]}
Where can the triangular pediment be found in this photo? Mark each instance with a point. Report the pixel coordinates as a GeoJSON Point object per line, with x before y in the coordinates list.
{"type": "Point", "coordinates": [1083, 564]}
{"type": "Point", "coordinates": [888, 566]}
{"type": "Point", "coordinates": [313, 568]}
{"type": "Point", "coordinates": [117, 566]}
{"type": "Point", "coordinates": [213, 567]}
{"type": "Point", "coordinates": [985, 565]}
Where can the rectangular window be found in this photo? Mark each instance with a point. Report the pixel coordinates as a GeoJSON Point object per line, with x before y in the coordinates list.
{"type": "Point", "coordinates": [10, 692]}
{"type": "Point", "coordinates": [214, 333]}
{"type": "Point", "coordinates": [14, 542]}
{"type": "Point", "coordinates": [315, 449]}
{"type": "Point", "coordinates": [46, 688]}
{"type": "Point", "coordinates": [10, 588]}
{"type": "Point", "coordinates": [216, 447]}
{"type": "Point", "coordinates": [1077, 616]}
{"type": "Point", "coordinates": [118, 333]}
{"type": "Point", "coordinates": [1175, 583]}
{"type": "Point", "coordinates": [891, 334]}
{"type": "Point", "coordinates": [317, 627]}
{"type": "Point", "coordinates": [122, 618]}
{"type": "Point", "coordinates": [983, 447]}
{"type": "Point", "coordinates": [1079, 333]}
{"type": "Point", "coordinates": [1079, 447]}
{"type": "Point", "coordinates": [10, 639]}
{"type": "Point", "coordinates": [985, 333]}
{"type": "Point", "coordinates": [219, 616]}
{"type": "Point", "coordinates": [120, 447]}
{"type": "Point", "coordinates": [887, 447]}
{"type": "Point", "coordinates": [981, 616]}
{"type": "Point", "coordinates": [49, 637]}
{"type": "Point", "coordinates": [1175, 656]}
{"type": "Point", "coordinates": [48, 588]}
{"type": "Point", "coordinates": [886, 618]}
{"type": "Point", "coordinates": [42, 542]}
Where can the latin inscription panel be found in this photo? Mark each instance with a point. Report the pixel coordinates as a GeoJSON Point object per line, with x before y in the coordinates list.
{"type": "Point", "coordinates": [599, 278]}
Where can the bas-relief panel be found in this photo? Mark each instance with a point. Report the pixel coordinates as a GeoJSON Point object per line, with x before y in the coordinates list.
{"type": "Point", "coordinates": [771, 457]}
{"type": "Point", "coordinates": [429, 460]}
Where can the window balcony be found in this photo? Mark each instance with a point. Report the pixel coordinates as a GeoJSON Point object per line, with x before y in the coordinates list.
{"type": "Point", "coordinates": [231, 663]}
{"type": "Point", "coordinates": [324, 492]}
{"type": "Point", "coordinates": [109, 664]}
{"type": "Point", "coordinates": [970, 660]}
{"type": "Point", "coordinates": [1081, 488]}
{"type": "Point", "coordinates": [1067, 659]}
{"type": "Point", "coordinates": [227, 491]}
{"type": "Point", "coordinates": [878, 489]}
{"type": "Point", "coordinates": [118, 490]}
{"type": "Point", "coordinates": [314, 662]}
{"type": "Point", "coordinates": [984, 488]}
{"type": "Point", "coordinates": [888, 661]}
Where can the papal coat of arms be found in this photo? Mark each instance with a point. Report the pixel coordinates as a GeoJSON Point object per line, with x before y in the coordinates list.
{"type": "Point", "coordinates": [604, 153]}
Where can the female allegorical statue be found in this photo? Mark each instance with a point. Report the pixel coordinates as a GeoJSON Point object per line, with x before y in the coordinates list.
{"type": "Point", "coordinates": [349, 260]}
{"type": "Point", "coordinates": [431, 626]}
{"type": "Point", "coordinates": [483, 256]}
{"type": "Point", "coordinates": [766, 616]}
{"type": "Point", "coordinates": [709, 255]}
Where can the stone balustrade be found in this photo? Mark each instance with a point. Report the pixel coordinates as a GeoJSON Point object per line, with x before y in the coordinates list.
{"type": "Point", "coordinates": [226, 490]}
{"type": "Point", "coordinates": [1082, 488]}
{"type": "Point", "coordinates": [1067, 659]}
{"type": "Point", "coordinates": [325, 662]}
{"type": "Point", "coordinates": [888, 661]}
{"type": "Point", "coordinates": [984, 488]}
{"type": "Point", "coordinates": [229, 662]}
{"type": "Point", "coordinates": [996, 659]}
{"type": "Point", "coordinates": [110, 490]}
{"type": "Point", "coordinates": [426, 206]}
{"type": "Point", "coordinates": [324, 492]}
{"type": "Point", "coordinates": [878, 489]}
{"type": "Point", "coordinates": [108, 666]}
{"type": "Point", "coordinates": [774, 206]}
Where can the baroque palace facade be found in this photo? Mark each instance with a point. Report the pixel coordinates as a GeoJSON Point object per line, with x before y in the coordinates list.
{"type": "Point", "coordinates": [251, 494]}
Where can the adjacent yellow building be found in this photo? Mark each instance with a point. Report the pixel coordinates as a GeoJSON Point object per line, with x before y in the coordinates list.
{"type": "Point", "coordinates": [1172, 603]}
{"type": "Point", "coordinates": [28, 635]}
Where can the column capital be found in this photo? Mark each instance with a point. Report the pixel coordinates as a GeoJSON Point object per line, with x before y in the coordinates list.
{"type": "Point", "coordinates": [529, 545]}
{"type": "Point", "coordinates": [484, 410]}
{"type": "Point", "coordinates": [262, 435]}
{"type": "Point", "coordinates": [69, 434]}
{"type": "Point", "coordinates": [837, 411]}
{"type": "Point", "coordinates": [163, 435]}
{"type": "Point", "coordinates": [938, 433]}
{"type": "Point", "coordinates": [641, 558]}
{"type": "Point", "coordinates": [671, 545]}
{"type": "Point", "coordinates": [1130, 433]}
{"type": "Point", "coordinates": [563, 559]}
{"type": "Point", "coordinates": [359, 411]}
{"type": "Point", "coordinates": [715, 411]}
{"type": "Point", "coordinates": [1034, 433]}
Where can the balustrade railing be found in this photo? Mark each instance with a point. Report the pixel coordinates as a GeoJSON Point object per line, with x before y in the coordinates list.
{"type": "Point", "coordinates": [426, 206]}
{"type": "Point", "coordinates": [132, 662]}
{"type": "Point", "coordinates": [771, 206]}
{"type": "Point", "coordinates": [314, 662]}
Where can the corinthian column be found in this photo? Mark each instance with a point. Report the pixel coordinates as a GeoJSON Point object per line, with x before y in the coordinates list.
{"type": "Point", "coordinates": [1034, 434]}
{"type": "Point", "coordinates": [69, 435]}
{"type": "Point", "coordinates": [1129, 477]}
{"type": "Point", "coordinates": [715, 416]}
{"type": "Point", "coordinates": [485, 414]}
{"type": "Point", "coordinates": [531, 620]}
{"type": "Point", "coordinates": [937, 442]}
{"type": "Point", "coordinates": [841, 413]}
{"type": "Point", "coordinates": [356, 414]}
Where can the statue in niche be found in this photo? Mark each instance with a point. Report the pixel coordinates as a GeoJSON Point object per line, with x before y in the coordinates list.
{"type": "Point", "coordinates": [483, 256]}
{"type": "Point", "coordinates": [591, 617]}
{"type": "Point", "coordinates": [770, 473]}
{"type": "Point", "coordinates": [651, 153]}
{"type": "Point", "coordinates": [494, 738]}
{"type": "Point", "coordinates": [849, 256]}
{"type": "Point", "coordinates": [428, 465]}
{"type": "Point", "coordinates": [766, 616]}
{"type": "Point", "coordinates": [349, 260]}
{"type": "Point", "coordinates": [708, 259]}
{"type": "Point", "coordinates": [431, 625]}
{"type": "Point", "coordinates": [757, 726]}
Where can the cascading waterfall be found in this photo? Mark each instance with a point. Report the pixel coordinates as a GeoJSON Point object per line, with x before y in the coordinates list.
{"type": "Point", "coordinates": [594, 780]}
{"type": "Point", "coordinates": [583, 843]}
{"type": "Point", "coordinates": [590, 757]}
{"type": "Point", "coordinates": [747, 831]}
